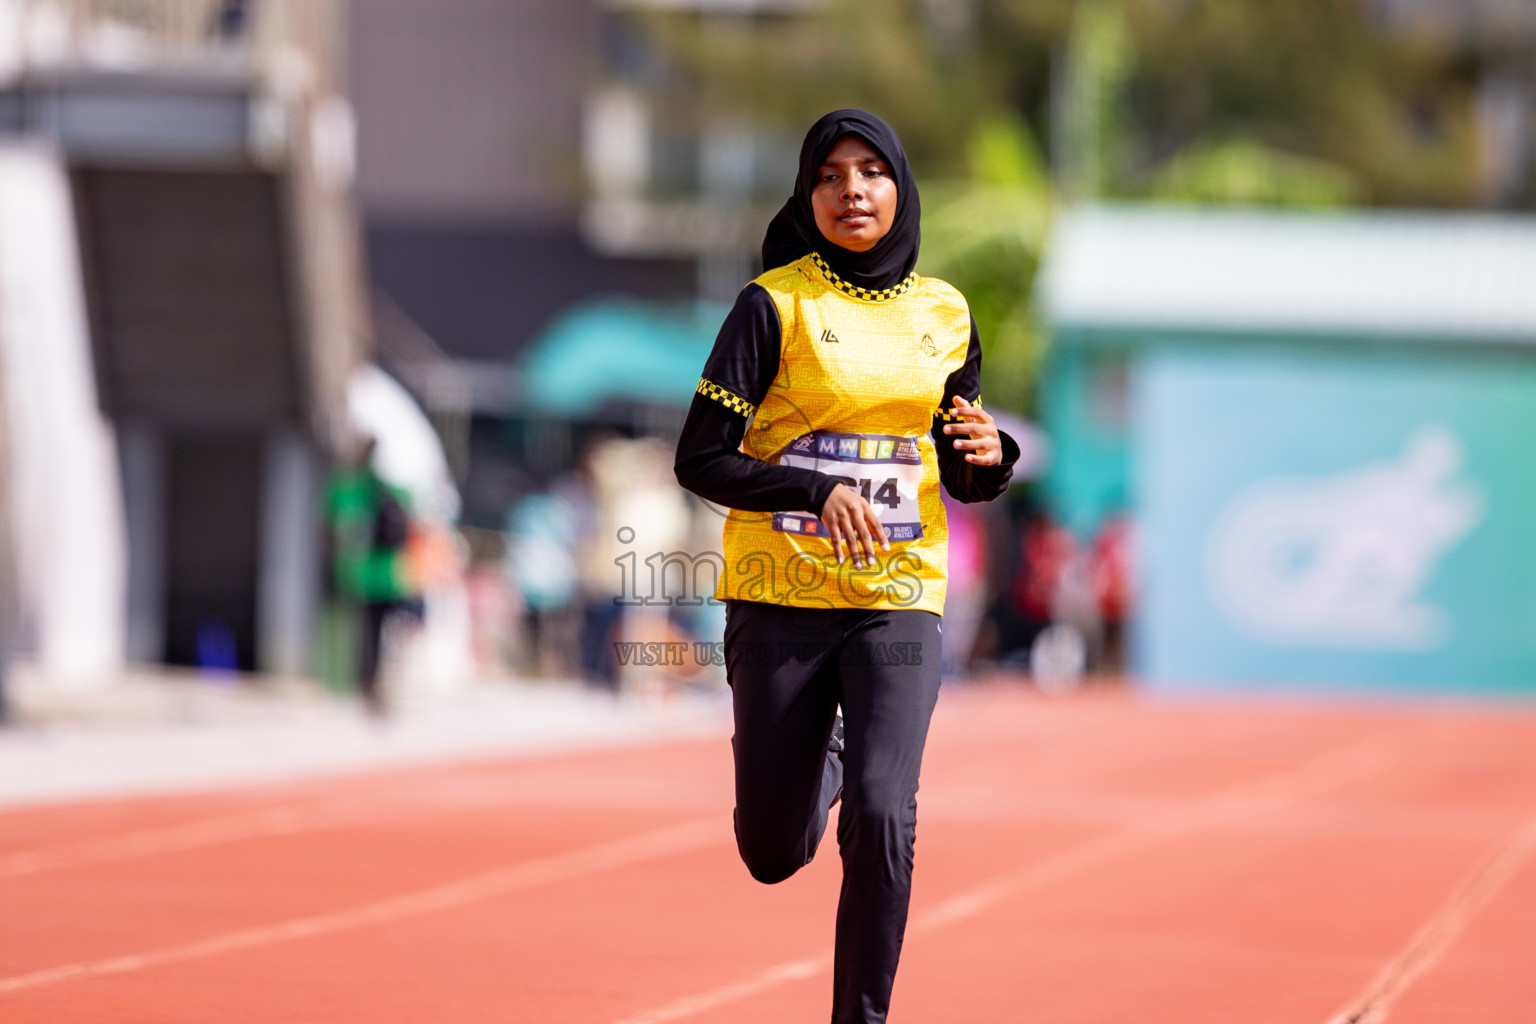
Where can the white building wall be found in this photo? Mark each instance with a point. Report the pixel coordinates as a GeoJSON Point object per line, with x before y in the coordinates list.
{"type": "Point", "coordinates": [64, 489]}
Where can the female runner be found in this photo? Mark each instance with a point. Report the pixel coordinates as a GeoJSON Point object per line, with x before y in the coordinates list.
{"type": "Point", "coordinates": [841, 392]}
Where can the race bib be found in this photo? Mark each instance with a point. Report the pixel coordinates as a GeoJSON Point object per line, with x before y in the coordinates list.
{"type": "Point", "coordinates": [885, 469]}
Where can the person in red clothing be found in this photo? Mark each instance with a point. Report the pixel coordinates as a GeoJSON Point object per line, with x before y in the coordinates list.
{"type": "Point", "coordinates": [1112, 583]}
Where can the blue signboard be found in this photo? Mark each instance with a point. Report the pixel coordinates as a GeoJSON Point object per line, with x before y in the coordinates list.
{"type": "Point", "coordinates": [1335, 520]}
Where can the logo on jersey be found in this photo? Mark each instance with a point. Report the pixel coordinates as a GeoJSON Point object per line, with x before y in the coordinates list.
{"type": "Point", "coordinates": [927, 345]}
{"type": "Point", "coordinates": [828, 337]}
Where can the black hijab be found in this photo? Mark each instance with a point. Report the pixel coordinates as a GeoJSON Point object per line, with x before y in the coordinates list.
{"type": "Point", "coordinates": [793, 232]}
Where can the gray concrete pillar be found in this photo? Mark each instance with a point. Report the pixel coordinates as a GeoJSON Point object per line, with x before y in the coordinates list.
{"type": "Point", "coordinates": [141, 449]}
{"type": "Point", "coordinates": [288, 586]}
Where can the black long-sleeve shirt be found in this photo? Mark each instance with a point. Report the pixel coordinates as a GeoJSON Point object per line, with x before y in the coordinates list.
{"type": "Point", "coordinates": [745, 361]}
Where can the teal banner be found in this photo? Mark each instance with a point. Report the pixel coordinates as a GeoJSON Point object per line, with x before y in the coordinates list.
{"type": "Point", "coordinates": [1332, 520]}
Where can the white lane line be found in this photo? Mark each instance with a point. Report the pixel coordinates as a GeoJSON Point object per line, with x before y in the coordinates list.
{"type": "Point", "coordinates": [476, 789]}
{"type": "Point", "coordinates": [688, 1006]}
{"type": "Point", "coordinates": [957, 908]}
{"type": "Point", "coordinates": [620, 853]}
{"type": "Point", "coordinates": [1365, 757]}
{"type": "Point", "coordinates": [441, 797]}
{"type": "Point", "coordinates": [194, 835]}
{"type": "Point", "coordinates": [1475, 892]}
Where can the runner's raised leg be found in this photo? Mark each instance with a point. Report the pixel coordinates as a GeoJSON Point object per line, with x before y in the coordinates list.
{"type": "Point", "coordinates": [781, 664]}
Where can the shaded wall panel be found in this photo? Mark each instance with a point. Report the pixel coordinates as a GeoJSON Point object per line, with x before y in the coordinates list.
{"type": "Point", "coordinates": [213, 490]}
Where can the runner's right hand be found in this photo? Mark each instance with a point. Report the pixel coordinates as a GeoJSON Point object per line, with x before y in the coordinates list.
{"type": "Point", "coordinates": [852, 523]}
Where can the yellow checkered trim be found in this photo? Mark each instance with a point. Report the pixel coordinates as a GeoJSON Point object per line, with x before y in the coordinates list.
{"type": "Point", "coordinates": [952, 417]}
{"type": "Point", "coordinates": [883, 295]}
{"type": "Point", "coordinates": [729, 399]}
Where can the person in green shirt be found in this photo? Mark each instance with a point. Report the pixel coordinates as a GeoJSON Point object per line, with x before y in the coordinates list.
{"type": "Point", "coordinates": [371, 575]}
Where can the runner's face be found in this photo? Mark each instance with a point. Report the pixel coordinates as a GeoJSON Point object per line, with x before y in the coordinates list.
{"type": "Point", "coordinates": [854, 198]}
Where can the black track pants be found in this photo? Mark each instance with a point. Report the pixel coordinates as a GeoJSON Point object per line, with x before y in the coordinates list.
{"type": "Point", "coordinates": [789, 668]}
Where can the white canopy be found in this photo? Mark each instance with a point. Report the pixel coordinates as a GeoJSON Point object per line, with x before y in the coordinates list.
{"type": "Point", "coordinates": [1420, 275]}
{"type": "Point", "coordinates": [409, 453]}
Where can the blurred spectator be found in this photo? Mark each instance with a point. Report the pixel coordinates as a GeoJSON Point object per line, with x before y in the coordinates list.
{"type": "Point", "coordinates": [1066, 605]}
{"type": "Point", "coordinates": [232, 18]}
{"type": "Point", "coordinates": [495, 607]}
{"type": "Point", "coordinates": [1073, 643]}
{"type": "Point", "coordinates": [541, 565]}
{"type": "Point", "coordinates": [966, 598]}
{"type": "Point", "coordinates": [1043, 553]}
{"type": "Point", "coordinates": [577, 560]}
{"type": "Point", "coordinates": [372, 576]}
{"type": "Point", "coordinates": [642, 519]}
{"type": "Point", "coordinates": [1112, 585]}
{"type": "Point", "coordinates": [596, 573]}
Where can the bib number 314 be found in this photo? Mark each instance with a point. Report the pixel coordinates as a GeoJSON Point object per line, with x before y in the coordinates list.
{"type": "Point", "coordinates": [884, 491]}
{"type": "Point", "coordinates": [884, 469]}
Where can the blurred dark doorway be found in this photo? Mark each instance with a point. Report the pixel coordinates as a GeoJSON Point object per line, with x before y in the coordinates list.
{"type": "Point", "coordinates": [213, 486]}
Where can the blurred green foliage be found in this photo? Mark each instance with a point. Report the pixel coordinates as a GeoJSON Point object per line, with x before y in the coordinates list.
{"type": "Point", "coordinates": [1311, 103]}
{"type": "Point", "coordinates": [1246, 172]}
{"type": "Point", "coordinates": [1148, 80]}
{"type": "Point", "coordinates": [985, 234]}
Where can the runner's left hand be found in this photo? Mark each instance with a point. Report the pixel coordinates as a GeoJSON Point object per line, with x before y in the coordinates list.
{"type": "Point", "coordinates": [984, 446]}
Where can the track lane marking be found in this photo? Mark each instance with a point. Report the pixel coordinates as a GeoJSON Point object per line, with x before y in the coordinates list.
{"type": "Point", "coordinates": [953, 910]}
{"type": "Point", "coordinates": [1474, 893]}
{"type": "Point", "coordinates": [471, 787]}
{"type": "Point", "coordinates": [635, 849]}
{"type": "Point", "coordinates": [327, 813]}
{"type": "Point", "coordinates": [1363, 757]}
{"type": "Point", "coordinates": [192, 835]}
{"type": "Point", "coordinates": [692, 1005]}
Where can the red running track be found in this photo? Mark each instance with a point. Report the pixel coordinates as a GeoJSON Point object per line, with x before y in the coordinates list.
{"type": "Point", "coordinates": [1096, 859]}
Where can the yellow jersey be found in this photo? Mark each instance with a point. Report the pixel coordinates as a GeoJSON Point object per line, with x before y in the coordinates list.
{"type": "Point", "coordinates": [862, 378]}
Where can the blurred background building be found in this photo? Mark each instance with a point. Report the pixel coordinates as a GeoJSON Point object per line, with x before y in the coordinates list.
{"type": "Point", "coordinates": [179, 192]}
{"type": "Point", "coordinates": [471, 120]}
{"type": "Point", "coordinates": [496, 236]}
{"type": "Point", "coordinates": [1321, 421]}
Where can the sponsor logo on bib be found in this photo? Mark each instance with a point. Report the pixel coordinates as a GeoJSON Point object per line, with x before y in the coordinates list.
{"type": "Point", "coordinates": [885, 470]}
